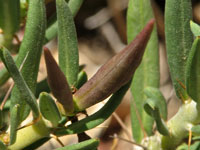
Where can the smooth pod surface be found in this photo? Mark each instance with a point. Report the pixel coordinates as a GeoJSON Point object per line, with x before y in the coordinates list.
{"type": "Point", "coordinates": [115, 73]}
{"type": "Point", "coordinates": [58, 83]}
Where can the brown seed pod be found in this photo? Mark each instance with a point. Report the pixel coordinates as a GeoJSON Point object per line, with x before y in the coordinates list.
{"type": "Point", "coordinates": [58, 83]}
{"type": "Point", "coordinates": [115, 73]}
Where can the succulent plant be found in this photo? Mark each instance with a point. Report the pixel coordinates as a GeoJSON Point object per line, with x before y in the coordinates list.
{"type": "Point", "coordinates": [135, 67]}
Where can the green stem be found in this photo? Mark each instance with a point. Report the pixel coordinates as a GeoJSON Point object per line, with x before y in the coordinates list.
{"type": "Point", "coordinates": [30, 134]}
{"type": "Point", "coordinates": [180, 125]}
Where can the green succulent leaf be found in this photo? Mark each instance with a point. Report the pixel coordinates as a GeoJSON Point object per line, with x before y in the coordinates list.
{"type": "Point", "coordinates": [51, 33]}
{"type": "Point", "coordinates": [42, 86]}
{"type": "Point", "coordinates": [179, 40]}
{"type": "Point", "coordinates": [67, 42]}
{"type": "Point", "coordinates": [32, 44]}
{"type": "Point", "coordinates": [98, 117]}
{"type": "Point", "coordinates": [9, 19]}
{"type": "Point", "coordinates": [37, 144]}
{"type": "Point", "coordinates": [52, 30]}
{"type": "Point", "coordinates": [14, 123]}
{"type": "Point", "coordinates": [82, 79]}
{"type": "Point", "coordinates": [152, 108]}
{"type": "Point", "coordinates": [147, 74]}
{"type": "Point", "coordinates": [91, 144]}
{"type": "Point", "coordinates": [193, 71]}
{"type": "Point", "coordinates": [159, 100]}
{"type": "Point", "coordinates": [4, 76]}
{"type": "Point", "coordinates": [20, 83]}
{"type": "Point", "coordinates": [196, 138]}
{"type": "Point", "coordinates": [196, 129]}
{"type": "Point", "coordinates": [195, 28]}
{"type": "Point", "coordinates": [49, 109]}
{"type": "Point", "coordinates": [195, 146]}
{"type": "Point", "coordinates": [74, 6]}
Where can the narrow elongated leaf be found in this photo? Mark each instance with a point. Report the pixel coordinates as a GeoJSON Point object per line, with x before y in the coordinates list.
{"type": "Point", "coordinates": [179, 40]}
{"type": "Point", "coordinates": [196, 129]}
{"type": "Point", "coordinates": [82, 79]}
{"type": "Point", "coordinates": [14, 123]}
{"type": "Point", "coordinates": [37, 144]}
{"type": "Point", "coordinates": [193, 71]}
{"type": "Point", "coordinates": [32, 44]}
{"type": "Point", "coordinates": [98, 117]}
{"type": "Point", "coordinates": [195, 146]}
{"type": "Point", "coordinates": [91, 144]}
{"type": "Point", "coordinates": [147, 74]}
{"type": "Point", "coordinates": [42, 86]}
{"type": "Point", "coordinates": [52, 30]}
{"type": "Point", "coordinates": [195, 28]}
{"type": "Point", "coordinates": [49, 109]}
{"type": "Point", "coordinates": [74, 6]}
{"type": "Point", "coordinates": [4, 76]}
{"type": "Point", "coordinates": [153, 109]}
{"type": "Point", "coordinates": [20, 83]}
{"type": "Point", "coordinates": [196, 138]}
{"type": "Point", "coordinates": [9, 19]}
{"type": "Point", "coordinates": [159, 100]}
{"type": "Point", "coordinates": [115, 73]}
{"type": "Point", "coordinates": [58, 83]}
{"type": "Point", "coordinates": [67, 42]}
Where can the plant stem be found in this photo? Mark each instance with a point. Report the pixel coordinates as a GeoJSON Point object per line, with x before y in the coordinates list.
{"type": "Point", "coordinates": [30, 134]}
{"type": "Point", "coordinates": [180, 125]}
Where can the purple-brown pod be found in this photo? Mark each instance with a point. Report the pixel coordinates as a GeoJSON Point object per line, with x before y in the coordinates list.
{"type": "Point", "coordinates": [115, 73]}
{"type": "Point", "coordinates": [58, 83]}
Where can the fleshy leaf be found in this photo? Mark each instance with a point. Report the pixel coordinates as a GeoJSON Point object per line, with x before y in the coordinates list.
{"type": "Point", "coordinates": [4, 76]}
{"type": "Point", "coordinates": [32, 45]}
{"type": "Point", "coordinates": [196, 129]}
{"type": "Point", "coordinates": [195, 28]}
{"type": "Point", "coordinates": [91, 144]}
{"type": "Point", "coordinates": [115, 73]}
{"type": "Point", "coordinates": [193, 71]}
{"type": "Point", "coordinates": [74, 6]}
{"type": "Point", "coordinates": [9, 19]}
{"type": "Point", "coordinates": [14, 123]}
{"type": "Point", "coordinates": [52, 30]}
{"type": "Point", "coordinates": [179, 40]}
{"type": "Point", "coordinates": [147, 74]}
{"type": "Point", "coordinates": [42, 86]}
{"type": "Point", "coordinates": [82, 79]}
{"type": "Point", "coordinates": [20, 83]}
{"type": "Point", "coordinates": [194, 146]}
{"type": "Point", "coordinates": [51, 33]}
{"type": "Point", "coordinates": [67, 42]}
{"type": "Point", "coordinates": [159, 100]}
{"type": "Point", "coordinates": [152, 108]}
{"type": "Point", "coordinates": [49, 109]}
